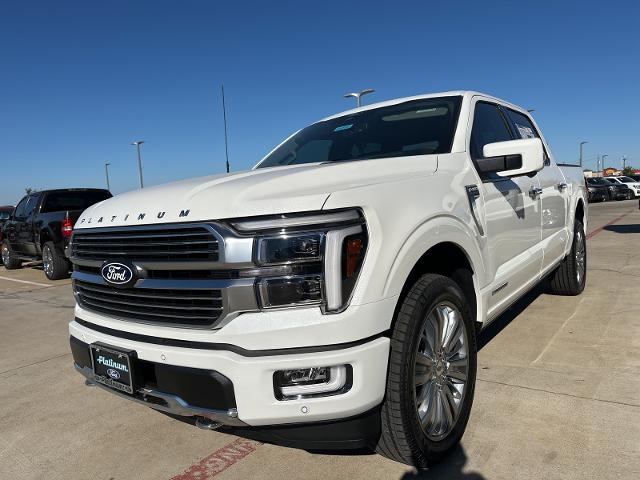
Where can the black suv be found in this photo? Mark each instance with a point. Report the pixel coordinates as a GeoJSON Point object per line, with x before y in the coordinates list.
{"type": "Point", "coordinates": [5, 213]}
{"type": "Point", "coordinates": [40, 227]}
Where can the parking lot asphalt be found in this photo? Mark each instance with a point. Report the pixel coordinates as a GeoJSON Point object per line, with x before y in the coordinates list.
{"type": "Point", "coordinates": [558, 392]}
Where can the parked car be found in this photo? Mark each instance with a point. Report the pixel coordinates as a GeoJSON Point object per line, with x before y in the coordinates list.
{"type": "Point", "coordinates": [599, 190]}
{"type": "Point", "coordinates": [5, 213]}
{"type": "Point", "coordinates": [619, 191]}
{"type": "Point", "coordinates": [634, 177]}
{"type": "Point", "coordinates": [41, 225]}
{"type": "Point", "coordinates": [330, 297]}
{"type": "Point", "coordinates": [629, 182]}
{"type": "Point", "coordinates": [616, 191]}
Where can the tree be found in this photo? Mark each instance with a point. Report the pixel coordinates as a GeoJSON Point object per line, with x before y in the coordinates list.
{"type": "Point", "coordinates": [628, 170]}
{"type": "Point", "coordinates": [29, 190]}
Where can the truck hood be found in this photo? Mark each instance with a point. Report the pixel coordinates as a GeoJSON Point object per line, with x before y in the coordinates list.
{"type": "Point", "coordinates": [262, 191]}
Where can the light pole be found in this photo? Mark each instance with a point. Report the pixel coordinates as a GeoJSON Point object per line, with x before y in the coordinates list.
{"type": "Point", "coordinates": [581, 144]}
{"type": "Point", "coordinates": [137, 144]}
{"type": "Point", "coordinates": [359, 94]}
{"type": "Point", "coordinates": [106, 172]}
{"type": "Point", "coordinates": [602, 162]}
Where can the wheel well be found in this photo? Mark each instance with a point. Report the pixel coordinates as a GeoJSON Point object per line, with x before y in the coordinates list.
{"type": "Point", "coordinates": [449, 260]}
{"type": "Point", "coordinates": [580, 211]}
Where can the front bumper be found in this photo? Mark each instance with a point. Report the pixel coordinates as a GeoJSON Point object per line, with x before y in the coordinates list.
{"type": "Point", "coordinates": [251, 379]}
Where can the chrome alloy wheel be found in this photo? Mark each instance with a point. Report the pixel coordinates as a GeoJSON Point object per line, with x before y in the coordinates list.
{"type": "Point", "coordinates": [6, 255]}
{"type": "Point", "coordinates": [47, 261]}
{"type": "Point", "coordinates": [581, 256]}
{"type": "Point", "coordinates": [440, 372]}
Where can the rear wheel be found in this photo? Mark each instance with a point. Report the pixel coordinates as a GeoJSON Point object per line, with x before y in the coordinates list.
{"type": "Point", "coordinates": [432, 373]}
{"type": "Point", "coordinates": [570, 277]}
{"type": "Point", "coordinates": [54, 264]}
{"type": "Point", "coordinates": [9, 259]}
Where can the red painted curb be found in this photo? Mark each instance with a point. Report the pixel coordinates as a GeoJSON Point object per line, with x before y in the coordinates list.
{"type": "Point", "coordinates": [599, 229]}
{"type": "Point", "coordinates": [219, 461]}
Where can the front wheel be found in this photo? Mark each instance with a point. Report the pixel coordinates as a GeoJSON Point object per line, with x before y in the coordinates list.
{"type": "Point", "coordinates": [54, 264]}
{"type": "Point", "coordinates": [9, 259]}
{"type": "Point", "coordinates": [432, 374]}
{"type": "Point", "coordinates": [571, 275]}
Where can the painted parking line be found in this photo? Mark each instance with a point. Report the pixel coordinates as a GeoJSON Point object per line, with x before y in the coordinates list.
{"type": "Point", "coordinates": [25, 281]}
{"type": "Point", "coordinates": [219, 461]}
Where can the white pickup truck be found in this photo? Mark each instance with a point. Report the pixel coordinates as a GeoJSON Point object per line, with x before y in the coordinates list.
{"type": "Point", "coordinates": [331, 296]}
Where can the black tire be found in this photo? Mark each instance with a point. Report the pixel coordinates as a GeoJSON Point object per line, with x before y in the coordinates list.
{"type": "Point", "coordinates": [571, 275]}
{"type": "Point", "coordinates": [403, 439]}
{"type": "Point", "coordinates": [54, 264]}
{"type": "Point", "coordinates": [9, 259]}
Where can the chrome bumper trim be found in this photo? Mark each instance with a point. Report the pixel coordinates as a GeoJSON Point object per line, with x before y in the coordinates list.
{"type": "Point", "coordinates": [174, 404]}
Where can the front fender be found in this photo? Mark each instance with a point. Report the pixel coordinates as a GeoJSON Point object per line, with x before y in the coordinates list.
{"type": "Point", "coordinates": [435, 231]}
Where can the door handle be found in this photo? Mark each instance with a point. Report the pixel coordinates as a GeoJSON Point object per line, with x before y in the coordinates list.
{"type": "Point", "coordinates": [562, 186]}
{"type": "Point", "coordinates": [534, 192]}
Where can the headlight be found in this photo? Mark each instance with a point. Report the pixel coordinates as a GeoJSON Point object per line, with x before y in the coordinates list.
{"type": "Point", "coordinates": [308, 259]}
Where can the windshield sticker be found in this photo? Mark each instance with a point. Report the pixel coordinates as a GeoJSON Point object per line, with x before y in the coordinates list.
{"type": "Point", "coordinates": [343, 127]}
{"type": "Point", "coordinates": [525, 132]}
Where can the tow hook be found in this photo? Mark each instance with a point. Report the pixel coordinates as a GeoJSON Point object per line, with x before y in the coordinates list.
{"type": "Point", "coordinates": [206, 424]}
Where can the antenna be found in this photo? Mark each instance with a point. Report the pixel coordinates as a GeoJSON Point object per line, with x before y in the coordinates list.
{"type": "Point", "coordinates": [226, 143]}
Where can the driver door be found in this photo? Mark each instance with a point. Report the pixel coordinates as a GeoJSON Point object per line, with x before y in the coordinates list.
{"type": "Point", "coordinates": [512, 214]}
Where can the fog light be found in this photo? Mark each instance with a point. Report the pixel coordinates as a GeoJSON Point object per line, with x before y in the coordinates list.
{"type": "Point", "coordinates": [312, 382]}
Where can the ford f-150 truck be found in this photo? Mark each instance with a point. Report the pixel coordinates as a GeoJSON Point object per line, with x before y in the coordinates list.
{"type": "Point", "coordinates": [41, 225]}
{"type": "Point", "coordinates": [331, 297]}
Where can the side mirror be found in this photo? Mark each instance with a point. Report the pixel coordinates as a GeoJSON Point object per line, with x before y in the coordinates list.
{"type": "Point", "coordinates": [513, 157]}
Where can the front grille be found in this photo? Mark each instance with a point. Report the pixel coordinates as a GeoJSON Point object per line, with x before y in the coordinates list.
{"type": "Point", "coordinates": [184, 307]}
{"type": "Point", "coordinates": [192, 243]}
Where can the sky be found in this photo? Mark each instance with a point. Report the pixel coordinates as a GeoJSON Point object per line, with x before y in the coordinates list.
{"type": "Point", "coordinates": [81, 80]}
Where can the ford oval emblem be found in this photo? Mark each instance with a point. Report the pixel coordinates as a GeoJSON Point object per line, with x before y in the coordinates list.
{"type": "Point", "coordinates": [113, 374]}
{"type": "Point", "coordinates": [117, 273]}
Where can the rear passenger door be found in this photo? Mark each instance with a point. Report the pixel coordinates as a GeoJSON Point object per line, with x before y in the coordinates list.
{"type": "Point", "coordinates": [12, 226]}
{"type": "Point", "coordinates": [554, 196]}
{"type": "Point", "coordinates": [511, 213]}
{"type": "Point", "coordinates": [25, 227]}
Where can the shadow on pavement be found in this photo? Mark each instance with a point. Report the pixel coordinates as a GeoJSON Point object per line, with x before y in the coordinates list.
{"type": "Point", "coordinates": [495, 327]}
{"type": "Point", "coordinates": [449, 468]}
{"type": "Point", "coordinates": [630, 228]}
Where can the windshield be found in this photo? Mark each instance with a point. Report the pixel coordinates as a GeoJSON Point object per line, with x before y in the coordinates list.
{"type": "Point", "coordinates": [417, 127]}
{"type": "Point", "coordinates": [627, 179]}
{"type": "Point", "coordinates": [596, 181]}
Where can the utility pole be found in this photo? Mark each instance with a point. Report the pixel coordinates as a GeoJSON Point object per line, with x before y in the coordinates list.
{"type": "Point", "coordinates": [226, 143]}
{"type": "Point", "coordinates": [358, 95]}
{"type": "Point", "coordinates": [106, 172]}
{"type": "Point", "coordinates": [581, 144]}
{"type": "Point", "coordinates": [137, 145]}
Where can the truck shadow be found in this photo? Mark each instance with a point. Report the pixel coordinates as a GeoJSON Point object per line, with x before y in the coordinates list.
{"type": "Point", "coordinates": [629, 228]}
{"type": "Point", "coordinates": [449, 468]}
{"type": "Point", "coordinates": [494, 328]}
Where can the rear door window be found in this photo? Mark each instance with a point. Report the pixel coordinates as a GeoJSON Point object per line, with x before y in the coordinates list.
{"type": "Point", "coordinates": [522, 125]}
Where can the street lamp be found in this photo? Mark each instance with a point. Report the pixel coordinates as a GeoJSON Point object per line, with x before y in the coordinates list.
{"type": "Point", "coordinates": [602, 164]}
{"type": "Point", "coordinates": [137, 145]}
{"type": "Point", "coordinates": [359, 94]}
{"type": "Point", "coordinates": [581, 144]}
{"type": "Point", "coordinates": [106, 172]}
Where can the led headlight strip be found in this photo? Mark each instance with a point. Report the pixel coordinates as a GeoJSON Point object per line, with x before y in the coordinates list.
{"type": "Point", "coordinates": [321, 251]}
